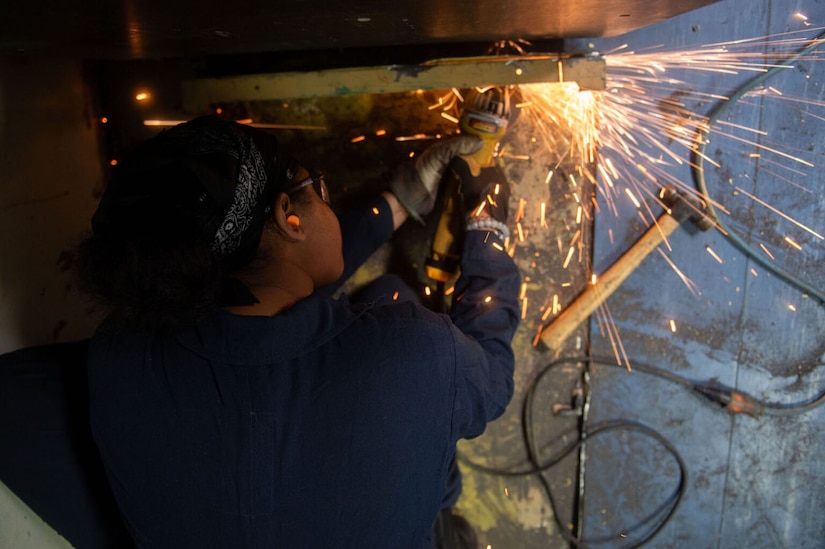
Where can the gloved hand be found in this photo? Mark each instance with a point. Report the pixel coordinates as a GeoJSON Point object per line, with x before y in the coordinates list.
{"type": "Point", "coordinates": [415, 183]}
{"type": "Point", "coordinates": [486, 196]}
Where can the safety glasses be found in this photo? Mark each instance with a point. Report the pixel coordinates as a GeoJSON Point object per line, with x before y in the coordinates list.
{"type": "Point", "coordinates": [317, 182]}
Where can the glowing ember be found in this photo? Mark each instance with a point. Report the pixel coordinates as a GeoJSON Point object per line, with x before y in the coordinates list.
{"type": "Point", "coordinates": [713, 254]}
{"type": "Point", "coordinates": [450, 117]}
{"type": "Point", "coordinates": [792, 243]}
{"type": "Point", "coordinates": [569, 256]}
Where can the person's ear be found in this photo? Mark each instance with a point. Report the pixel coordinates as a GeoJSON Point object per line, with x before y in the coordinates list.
{"type": "Point", "coordinates": [287, 219]}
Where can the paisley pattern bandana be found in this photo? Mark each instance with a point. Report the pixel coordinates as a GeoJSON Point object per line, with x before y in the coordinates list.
{"type": "Point", "coordinates": [223, 178]}
{"type": "Point", "coordinates": [208, 135]}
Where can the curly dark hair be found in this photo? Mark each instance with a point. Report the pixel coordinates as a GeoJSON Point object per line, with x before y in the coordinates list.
{"type": "Point", "coordinates": [159, 275]}
{"type": "Point", "coordinates": [181, 213]}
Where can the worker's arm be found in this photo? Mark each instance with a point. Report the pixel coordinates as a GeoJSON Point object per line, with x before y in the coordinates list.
{"type": "Point", "coordinates": [399, 212]}
{"type": "Point", "coordinates": [485, 309]}
{"type": "Point", "coordinates": [413, 188]}
{"type": "Point", "coordinates": [363, 231]}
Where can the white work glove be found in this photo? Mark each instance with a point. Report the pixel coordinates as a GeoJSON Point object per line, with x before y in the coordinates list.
{"type": "Point", "coordinates": [415, 183]}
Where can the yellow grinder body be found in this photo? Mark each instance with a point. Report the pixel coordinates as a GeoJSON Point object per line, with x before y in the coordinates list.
{"type": "Point", "coordinates": [486, 117]}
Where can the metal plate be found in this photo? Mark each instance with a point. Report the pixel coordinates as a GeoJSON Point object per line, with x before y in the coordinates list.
{"type": "Point", "coordinates": [135, 29]}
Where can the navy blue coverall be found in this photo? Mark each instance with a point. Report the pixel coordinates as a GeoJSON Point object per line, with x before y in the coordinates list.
{"type": "Point", "coordinates": [330, 425]}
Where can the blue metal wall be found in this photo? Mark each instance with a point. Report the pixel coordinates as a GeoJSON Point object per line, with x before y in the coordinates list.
{"type": "Point", "coordinates": [752, 482]}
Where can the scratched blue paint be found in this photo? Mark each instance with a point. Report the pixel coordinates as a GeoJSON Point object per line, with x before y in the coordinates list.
{"type": "Point", "coordinates": [753, 482]}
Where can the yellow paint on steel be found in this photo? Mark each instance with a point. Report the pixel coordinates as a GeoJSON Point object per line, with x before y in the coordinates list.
{"type": "Point", "coordinates": [589, 72]}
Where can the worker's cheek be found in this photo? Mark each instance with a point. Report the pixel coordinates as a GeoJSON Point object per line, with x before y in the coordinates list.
{"type": "Point", "coordinates": [338, 251]}
{"type": "Point", "coordinates": [330, 255]}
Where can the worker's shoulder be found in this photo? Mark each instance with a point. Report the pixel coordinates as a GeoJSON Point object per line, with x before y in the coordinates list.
{"type": "Point", "coordinates": [410, 319]}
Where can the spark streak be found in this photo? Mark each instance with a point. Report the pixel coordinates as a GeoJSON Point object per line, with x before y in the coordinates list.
{"type": "Point", "coordinates": [569, 256]}
{"type": "Point", "coordinates": [793, 243]}
{"type": "Point", "coordinates": [694, 289]}
{"type": "Point", "coordinates": [779, 213]}
{"type": "Point", "coordinates": [713, 254]}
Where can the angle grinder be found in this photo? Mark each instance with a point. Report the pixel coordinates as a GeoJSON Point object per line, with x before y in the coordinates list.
{"type": "Point", "coordinates": [486, 115]}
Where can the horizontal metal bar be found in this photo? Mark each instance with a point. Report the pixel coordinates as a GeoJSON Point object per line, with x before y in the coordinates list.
{"type": "Point", "coordinates": [587, 72]}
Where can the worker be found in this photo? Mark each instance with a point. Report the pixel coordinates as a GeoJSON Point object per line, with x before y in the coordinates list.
{"type": "Point", "coordinates": [234, 401]}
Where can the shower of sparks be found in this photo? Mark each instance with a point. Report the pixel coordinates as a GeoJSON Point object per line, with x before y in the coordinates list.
{"type": "Point", "coordinates": [641, 134]}
{"type": "Point", "coordinates": [634, 129]}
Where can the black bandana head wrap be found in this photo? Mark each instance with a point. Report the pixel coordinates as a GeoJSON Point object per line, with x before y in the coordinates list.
{"type": "Point", "coordinates": [228, 174]}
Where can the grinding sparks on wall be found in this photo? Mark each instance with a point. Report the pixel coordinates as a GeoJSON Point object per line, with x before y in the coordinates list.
{"type": "Point", "coordinates": [632, 135]}
{"type": "Point", "coordinates": [650, 128]}
{"type": "Point", "coordinates": [655, 125]}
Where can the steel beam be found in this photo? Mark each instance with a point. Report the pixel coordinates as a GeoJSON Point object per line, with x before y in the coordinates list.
{"type": "Point", "coordinates": [588, 72]}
